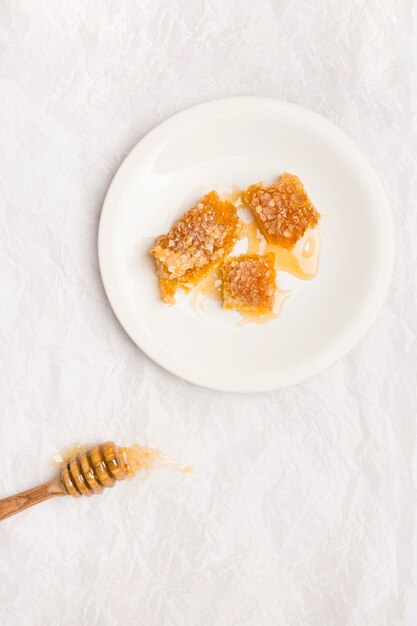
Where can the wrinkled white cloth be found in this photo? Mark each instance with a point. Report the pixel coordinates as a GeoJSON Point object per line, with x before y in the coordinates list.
{"type": "Point", "coordinates": [300, 510]}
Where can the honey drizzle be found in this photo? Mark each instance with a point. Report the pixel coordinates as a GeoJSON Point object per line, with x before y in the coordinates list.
{"type": "Point", "coordinates": [234, 196]}
{"type": "Point", "coordinates": [302, 261]}
{"type": "Point", "coordinates": [247, 316]}
{"type": "Point", "coordinates": [256, 241]}
{"type": "Point", "coordinates": [136, 458]}
{"type": "Point", "coordinates": [209, 288]}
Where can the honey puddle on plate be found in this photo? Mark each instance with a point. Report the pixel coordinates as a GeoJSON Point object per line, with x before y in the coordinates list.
{"type": "Point", "coordinates": [210, 288]}
{"type": "Point", "coordinates": [248, 316]}
{"type": "Point", "coordinates": [235, 196]}
{"type": "Point", "coordinates": [301, 261]}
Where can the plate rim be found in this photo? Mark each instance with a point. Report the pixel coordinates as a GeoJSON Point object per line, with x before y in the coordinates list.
{"type": "Point", "coordinates": [109, 209]}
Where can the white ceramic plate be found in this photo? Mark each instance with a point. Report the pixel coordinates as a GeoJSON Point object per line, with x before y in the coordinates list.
{"type": "Point", "coordinates": [241, 141]}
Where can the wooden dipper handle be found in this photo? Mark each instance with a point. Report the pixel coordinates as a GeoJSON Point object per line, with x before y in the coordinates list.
{"type": "Point", "coordinates": [83, 475]}
{"type": "Point", "coordinates": [21, 501]}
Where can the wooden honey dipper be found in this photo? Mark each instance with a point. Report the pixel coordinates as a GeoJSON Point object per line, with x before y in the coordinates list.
{"type": "Point", "coordinates": [88, 473]}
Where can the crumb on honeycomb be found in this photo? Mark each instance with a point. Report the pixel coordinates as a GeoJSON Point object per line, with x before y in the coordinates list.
{"type": "Point", "coordinates": [283, 209]}
{"type": "Point", "coordinates": [197, 242]}
{"type": "Point", "coordinates": [249, 283]}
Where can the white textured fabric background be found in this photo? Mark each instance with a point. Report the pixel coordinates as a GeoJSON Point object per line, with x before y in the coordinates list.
{"type": "Point", "coordinates": [301, 507]}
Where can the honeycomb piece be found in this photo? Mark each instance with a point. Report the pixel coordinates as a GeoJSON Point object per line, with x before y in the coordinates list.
{"type": "Point", "coordinates": [283, 210]}
{"type": "Point", "coordinates": [249, 283]}
{"type": "Point", "coordinates": [198, 241]}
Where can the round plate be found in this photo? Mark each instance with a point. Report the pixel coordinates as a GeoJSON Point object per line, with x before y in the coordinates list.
{"type": "Point", "coordinates": [239, 141]}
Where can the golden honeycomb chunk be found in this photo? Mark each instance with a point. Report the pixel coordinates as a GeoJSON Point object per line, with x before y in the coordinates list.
{"type": "Point", "coordinates": [197, 242]}
{"type": "Point", "coordinates": [249, 283]}
{"type": "Point", "coordinates": [283, 210]}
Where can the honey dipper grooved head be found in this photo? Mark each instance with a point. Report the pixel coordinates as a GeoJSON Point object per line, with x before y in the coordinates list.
{"type": "Point", "coordinates": [90, 471]}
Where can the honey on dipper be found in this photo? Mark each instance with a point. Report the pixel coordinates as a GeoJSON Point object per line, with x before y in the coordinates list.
{"type": "Point", "coordinates": [89, 472]}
